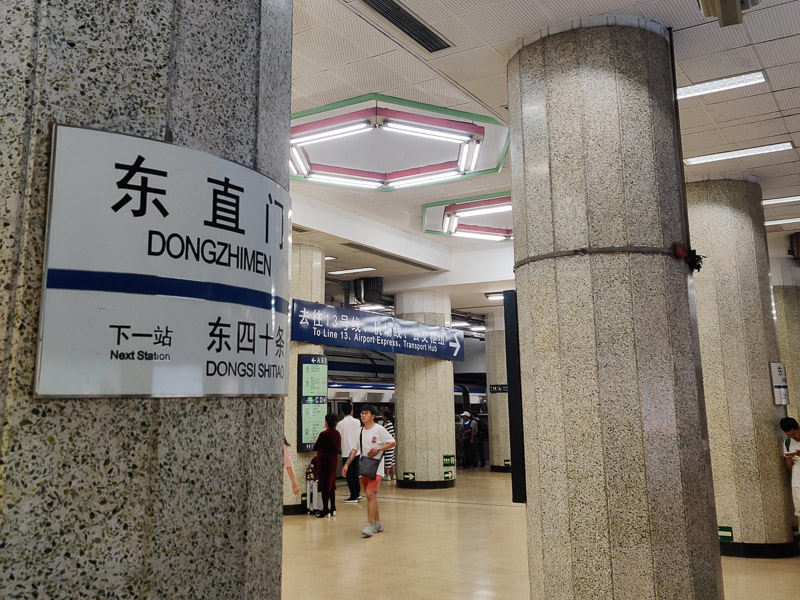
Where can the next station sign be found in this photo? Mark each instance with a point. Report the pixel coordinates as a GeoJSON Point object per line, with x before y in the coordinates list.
{"type": "Point", "coordinates": [330, 326]}
{"type": "Point", "coordinates": [166, 272]}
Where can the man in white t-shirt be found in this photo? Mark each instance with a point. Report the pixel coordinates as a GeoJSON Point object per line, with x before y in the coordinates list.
{"type": "Point", "coordinates": [791, 457]}
{"type": "Point", "coordinates": [374, 441]}
{"type": "Point", "coordinates": [349, 428]}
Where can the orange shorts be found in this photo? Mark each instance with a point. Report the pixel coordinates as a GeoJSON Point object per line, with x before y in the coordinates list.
{"type": "Point", "coordinates": [371, 484]}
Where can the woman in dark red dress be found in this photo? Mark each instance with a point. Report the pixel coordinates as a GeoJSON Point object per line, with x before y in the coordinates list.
{"type": "Point", "coordinates": [329, 449]}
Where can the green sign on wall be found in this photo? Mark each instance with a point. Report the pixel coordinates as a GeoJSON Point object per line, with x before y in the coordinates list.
{"type": "Point", "coordinates": [409, 477]}
{"type": "Point", "coordinates": [725, 534]}
{"type": "Point", "coordinates": [449, 460]}
{"type": "Point", "coordinates": [448, 475]}
{"type": "Point", "coordinates": [507, 462]}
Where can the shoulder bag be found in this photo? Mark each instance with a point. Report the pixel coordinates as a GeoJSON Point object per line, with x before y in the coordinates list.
{"type": "Point", "coordinates": [367, 465]}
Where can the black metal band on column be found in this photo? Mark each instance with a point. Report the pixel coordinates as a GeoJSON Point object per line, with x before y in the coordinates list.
{"type": "Point", "coordinates": [605, 250]}
{"type": "Point", "coordinates": [515, 423]}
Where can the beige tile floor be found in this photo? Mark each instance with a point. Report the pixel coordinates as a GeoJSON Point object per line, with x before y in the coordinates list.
{"type": "Point", "coordinates": [463, 543]}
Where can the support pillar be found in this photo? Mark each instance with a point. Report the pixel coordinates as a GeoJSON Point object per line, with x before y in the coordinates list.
{"type": "Point", "coordinates": [737, 343]}
{"type": "Point", "coordinates": [424, 400]}
{"type": "Point", "coordinates": [499, 437]}
{"type": "Point", "coordinates": [785, 276]}
{"type": "Point", "coordinates": [620, 503]}
{"type": "Point", "coordinates": [307, 283]}
{"type": "Point", "coordinates": [134, 497]}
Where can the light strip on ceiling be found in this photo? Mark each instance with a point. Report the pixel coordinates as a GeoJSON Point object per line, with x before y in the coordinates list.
{"type": "Point", "coordinates": [462, 157]}
{"type": "Point", "coordinates": [292, 167]}
{"type": "Point", "coordinates": [364, 183]}
{"type": "Point", "coordinates": [782, 222]}
{"type": "Point", "coordinates": [488, 210]}
{"type": "Point", "coordinates": [330, 258]}
{"type": "Point", "coordinates": [494, 296]}
{"type": "Point", "coordinates": [720, 85]}
{"type": "Point", "coordinates": [780, 200]}
{"type": "Point", "coordinates": [425, 132]}
{"type": "Point", "coordinates": [478, 328]}
{"type": "Point", "coordinates": [459, 324]}
{"type": "Point", "coordinates": [348, 271]}
{"type": "Point", "coordinates": [479, 236]}
{"type": "Point", "coordinates": [738, 153]}
{"type": "Point", "coordinates": [427, 179]}
{"type": "Point", "coordinates": [301, 164]}
{"type": "Point", "coordinates": [454, 224]}
{"type": "Point", "coordinates": [305, 140]}
{"type": "Point", "coordinates": [475, 153]}
{"type": "Point", "coordinates": [371, 307]}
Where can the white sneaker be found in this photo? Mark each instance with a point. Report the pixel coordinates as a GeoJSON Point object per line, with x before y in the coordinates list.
{"type": "Point", "coordinates": [368, 531]}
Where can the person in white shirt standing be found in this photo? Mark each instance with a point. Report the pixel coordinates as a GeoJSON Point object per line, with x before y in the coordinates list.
{"type": "Point", "coordinates": [374, 441]}
{"type": "Point", "coordinates": [791, 457]}
{"type": "Point", "coordinates": [349, 428]}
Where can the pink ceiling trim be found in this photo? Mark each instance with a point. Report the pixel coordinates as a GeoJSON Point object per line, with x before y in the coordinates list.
{"type": "Point", "coordinates": [453, 164]}
{"type": "Point", "coordinates": [331, 121]}
{"type": "Point", "coordinates": [484, 229]}
{"type": "Point", "coordinates": [390, 113]}
{"type": "Point", "coordinates": [477, 204]}
{"type": "Point", "coordinates": [346, 171]}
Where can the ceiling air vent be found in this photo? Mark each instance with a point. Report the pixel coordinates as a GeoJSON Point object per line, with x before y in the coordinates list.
{"type": "Point", "coordinates": [401, 18]}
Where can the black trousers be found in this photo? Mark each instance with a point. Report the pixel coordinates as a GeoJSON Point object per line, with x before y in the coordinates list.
{"type": "Point", "coordinates": [352, 477]}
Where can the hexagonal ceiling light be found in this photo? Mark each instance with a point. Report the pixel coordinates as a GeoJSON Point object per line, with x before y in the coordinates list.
{"type": "Point", "coordinates": [486, 217]}
{"type": "Point", "coordinates": [384, 143]}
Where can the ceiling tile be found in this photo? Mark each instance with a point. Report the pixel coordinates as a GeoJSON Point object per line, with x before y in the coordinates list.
{"type": "Point", "coordinates": [773, 22]}
{"type": "Point", "coordinates": [788, 99]}
{"type": "Point", "coordinates": [706, 39]}
{"type": "Point", "coordinates": [509, 20]}
{"type": "Point", "coordinates": [492, 90]}
{"type": "Point", "coordinates": [407, 66]}
{"type": "Point", "coordinates": [721, 64]}
{"type": "Point", "coordinates": [472, 64]}
{"type": "Point", "coordinates": [744, 107]}
{"type": "Point", "coordinates": [787, 76]}
{"type": "Point", "coordinates": [677, 14]}
{"type": "Point", "coordinates": [428, 11]}
{"type": "Point", "coordinates": [779, 52]}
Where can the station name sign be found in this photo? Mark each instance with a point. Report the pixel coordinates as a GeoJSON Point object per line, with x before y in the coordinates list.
{"type": "Point", "coordinates": [331, 326]}
{"type": "Point", "coordinates": [166, 272]}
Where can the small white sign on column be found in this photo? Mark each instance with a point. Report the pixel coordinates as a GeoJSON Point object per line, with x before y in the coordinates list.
{"type": "Point", "coordinates": [780, 384]}
{"type": "Point", "coordinates": [166, 272]}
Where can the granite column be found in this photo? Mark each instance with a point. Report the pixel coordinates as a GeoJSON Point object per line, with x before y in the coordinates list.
{"type": "Point", "coordinates": [620, 502]}
{"type": "Point", "coordinates": [424, 400]}
{"type": "Point", "coordinates": [499, 440]}
{"type": "Point", "coordinates": [307, 283]}
{"type": "Point", "coordinates": [785, 277]}
{"type": "Point", "coordinates": [737, 343]}
{"type": "Point", "coordinates": [134, 497]}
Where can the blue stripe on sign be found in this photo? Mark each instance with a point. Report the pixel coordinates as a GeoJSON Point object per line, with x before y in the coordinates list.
{"type": "Point", "coordinates": [152, 285]}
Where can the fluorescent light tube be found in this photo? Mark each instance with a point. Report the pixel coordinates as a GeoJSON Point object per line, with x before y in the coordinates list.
{"type": "Point", "coordinates": [305, 140]}
{"type": "Point", "coordinates": [346, 271]}
{"type": "Point", "coordinates": [459, 324]}
{"type": "Point", "coordinates": [301, 164]}
{"type": "Point", "coordinates": [720, 85]}
{"type": "Point", "coordinates": [782, 222]}
{"type": "Point", "coordinates": [494, 296]}
{"type": "Point", "coordinates": [478, 328]}
{"type": "Point", "coordinates": [425, 132]}
{"type": "Point", "coordinates": [371, 307]}
{"type": "Point", "coordinates": [479, 236]}
{"type": "Point", "coordinates": [780, 200]}
{"type": "Point", "coordinates": [462, 157]}
{"type": "Point", "coordinates": [330, 258]}
{"type": "Point", "coordinates": [365, 183]}
{"type": "Point", "coordinates": [475, 153]}
{"type": "Point", "coordinates": [738, 153]}
{"type": "Point", "coordinates": [426, 179]}
{"type": "Point", "coordinates": [486, 210]}
{"type": "Point", "coordinates": [454, 224]}
{"type": "Point", "coordinates": [291, 166]}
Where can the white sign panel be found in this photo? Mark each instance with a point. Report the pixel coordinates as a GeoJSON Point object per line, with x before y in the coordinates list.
{"type": "Point", "coordinates": [166, 272]}
{"type": "Point", "coordinates": [780, 383]}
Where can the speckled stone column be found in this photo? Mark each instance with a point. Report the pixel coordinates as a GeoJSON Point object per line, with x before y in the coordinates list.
{"type": "Point", "coordinates": [737, 343]}
{"type": "Point", "coordinates": [307, 283]}
{"type": "Point", "coordinates": [785, 277]}
{"type": "Point", "coordinates": [132, 497]}
{"type": "Point", "coordinates": [620, 504]}
{"type": "Point", "coordinates": [424, 399]}
{"type": "Point", "coordinates": [499, 441]}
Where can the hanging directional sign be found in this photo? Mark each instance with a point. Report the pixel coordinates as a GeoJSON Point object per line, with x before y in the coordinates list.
{"type": "Point", "coordinates": [331, 326]}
